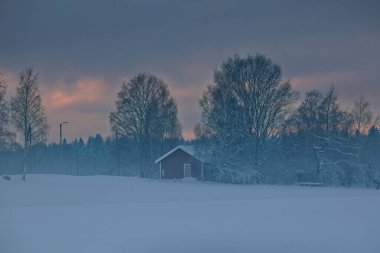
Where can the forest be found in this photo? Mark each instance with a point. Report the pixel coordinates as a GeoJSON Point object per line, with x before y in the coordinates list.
{"type": "Point", "coordinates": [255, 128]}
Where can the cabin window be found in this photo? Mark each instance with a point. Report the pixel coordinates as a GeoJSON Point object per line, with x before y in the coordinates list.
{"type": "Point", "coordinates": [162, 173]}
{"type": "Point", "coordinates": [187, 170]}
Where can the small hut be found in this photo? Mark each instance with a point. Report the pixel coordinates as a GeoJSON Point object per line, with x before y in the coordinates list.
{"type": "Point", "coordinates": [180, 163]}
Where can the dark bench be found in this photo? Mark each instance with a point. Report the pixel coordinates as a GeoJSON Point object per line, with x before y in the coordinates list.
{"type": "Point", "coordinates": [6, 177]}
{"type": "Point", "coordinates": [308, 179]}
{"type": "Point", "coordinates": [376, 182]}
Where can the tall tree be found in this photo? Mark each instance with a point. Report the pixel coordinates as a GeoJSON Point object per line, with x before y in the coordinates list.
{"type": "Point", "coordinates": [222, 129]}
{"type": "Point", "coordinates": [319, 117]}
{"type": "Point", "coordinates": [257, 92]}
{"type": "Point", "coordinates": [362, 115]}
{"type": "Point", "coordinates": [330, 113]}
{"type": "Point", "coordinates": [5, 134]}
{"type": "Point", "coordinates": [146, 113]}
{"type": "Point", "coordinates": [28, 114]}
{"type": "Point", "coordinates": [95, 153]}
{"type": "Point", "coordinates": [308, 116]}
{"type": "Point", "coordinates": [373, 156]}
{"type": "Point", "coordinates": [320, 113]}
{"type": "Point", "coordinates": [79, 155]}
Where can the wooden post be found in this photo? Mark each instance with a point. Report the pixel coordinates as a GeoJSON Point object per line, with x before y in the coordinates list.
{"type": "Point", "coordinates": [60, 144]}
{"type": "Point", "coordinates": [160, 171]}
{"type": "Point", "coordinates": [202, 171]}
{"type": "Point", "coordinates": [117, 153]}
{"type": "Point", "coordinates": [27, 145]}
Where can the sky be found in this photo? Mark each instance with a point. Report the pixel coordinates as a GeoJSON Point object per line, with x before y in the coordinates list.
{"type": "Point", "coordinates": [84, 50]}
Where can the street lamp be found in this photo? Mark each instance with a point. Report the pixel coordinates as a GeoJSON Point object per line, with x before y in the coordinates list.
{"type": "Point", "coordinates": [60, 143]}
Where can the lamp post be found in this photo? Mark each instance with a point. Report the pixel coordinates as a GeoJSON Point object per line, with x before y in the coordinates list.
{"type": "Point", "coordinates": [117, 153]}
{"type": "Point", "coordinates": [60, 143]}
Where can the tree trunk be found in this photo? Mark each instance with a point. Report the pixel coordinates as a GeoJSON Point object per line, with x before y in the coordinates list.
{"type": "Point", "coordinates": [24, 165]}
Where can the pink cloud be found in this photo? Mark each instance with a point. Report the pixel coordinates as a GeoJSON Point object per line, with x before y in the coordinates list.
{"type": "Point", "coordinates": [350, 85]}
{"type": "Point", "coordinates": [83, 91]}
{"type": "Point", "coordinates": [186, 91]}
{"type": "Point", "coordinates": [86, 104]}
{"type": "Point", "coordinates": [187, 97]}
{"type": "Point", "coordinates": [323, 80]}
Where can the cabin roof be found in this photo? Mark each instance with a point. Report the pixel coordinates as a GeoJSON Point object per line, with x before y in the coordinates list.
{"type": "Point", "coordinates": [187, 149]}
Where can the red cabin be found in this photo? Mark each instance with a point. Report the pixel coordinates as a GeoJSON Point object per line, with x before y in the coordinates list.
{"type": "Point", "coordinates": [180, 163]}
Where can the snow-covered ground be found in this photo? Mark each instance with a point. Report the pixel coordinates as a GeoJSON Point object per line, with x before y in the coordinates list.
{"type": "Point", "coordinates": [53, 214]}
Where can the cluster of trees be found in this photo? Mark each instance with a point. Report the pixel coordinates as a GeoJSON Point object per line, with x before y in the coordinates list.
{"type": "Point", "coordinates": [253, 129]}
{"type": "Point", "coordinates": [94, 156]}
{"type": "Point", "coordinates": [145, 125]}
{"type": "Point", "coordinates": [343, 145]}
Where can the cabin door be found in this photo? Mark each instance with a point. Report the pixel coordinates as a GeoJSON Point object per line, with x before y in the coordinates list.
{"type": "Point", "coordinates": [186, 170]}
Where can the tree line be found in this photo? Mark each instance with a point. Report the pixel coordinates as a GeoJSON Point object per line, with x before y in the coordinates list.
{"type": "Point", "coordinates": [95, 156]}
{"type": "Point", "coordinates": [253, 129]}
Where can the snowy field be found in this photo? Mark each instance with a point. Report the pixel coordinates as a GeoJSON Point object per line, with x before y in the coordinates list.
{"type": "Point", "coordinates": [53, 214]}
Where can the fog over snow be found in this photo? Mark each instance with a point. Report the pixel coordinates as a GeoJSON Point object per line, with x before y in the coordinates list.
{"type": "Point", "coordinates": [189, 126]}
{"type": "Point", "coordinates": [67, 214]}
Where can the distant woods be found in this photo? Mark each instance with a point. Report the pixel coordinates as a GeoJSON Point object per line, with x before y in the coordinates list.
{"type": "Point", "coordinates": [252, 131]}
{"type": "Point", "coordinates": [254, 128]}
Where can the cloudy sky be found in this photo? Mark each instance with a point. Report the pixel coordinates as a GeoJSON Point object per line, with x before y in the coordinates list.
{"type": "Point", "coordinates": [83, 50]}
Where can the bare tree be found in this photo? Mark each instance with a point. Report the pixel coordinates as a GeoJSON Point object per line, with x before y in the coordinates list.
{"type": "Point", "coordinates": [326, 127]}
{"type": "Point", "coordinates": [320, 113]}
{"type": "Point", "coordinates": [330, 113]}
{"type": "Point", "coordinates": [28, 114]}
{"type": "Point", "coordinates": [146, 113]}
{"type": "Point", "coordinates": [5, 135]}
{"type": "Point", "coordinates": [307, 118]}
{"type": "Point", "coordinates": [362, 115]}
{"type": "Point", "coordinates": [263, 101]}
{"type": "Point", "coordinates": [222, 130]}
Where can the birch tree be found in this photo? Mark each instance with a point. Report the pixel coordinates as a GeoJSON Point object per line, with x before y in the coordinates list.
{"type": "Point", "coordinates": [28, 113]}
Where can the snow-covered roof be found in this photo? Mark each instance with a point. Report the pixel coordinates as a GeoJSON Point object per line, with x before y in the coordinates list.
{"type": "Point", "coordinates": [187, 149]}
